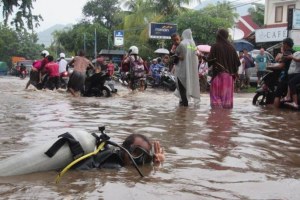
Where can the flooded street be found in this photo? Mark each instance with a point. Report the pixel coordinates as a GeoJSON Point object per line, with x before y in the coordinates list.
{"type": "Point", "coordinates": [245, 153]}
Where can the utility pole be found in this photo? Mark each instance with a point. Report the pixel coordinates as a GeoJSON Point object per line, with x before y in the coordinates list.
{"type": "Point", "coordinates": [84, 44]}
{"type": "Point", "coordinates": [95, 50]}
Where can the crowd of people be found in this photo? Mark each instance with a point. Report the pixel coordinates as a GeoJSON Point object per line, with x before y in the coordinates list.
{"type": "Point", "coordinates": [228, 70]}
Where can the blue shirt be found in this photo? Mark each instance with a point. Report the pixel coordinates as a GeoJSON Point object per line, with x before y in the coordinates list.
{"type": "Point", "coordinates": [261, 61]}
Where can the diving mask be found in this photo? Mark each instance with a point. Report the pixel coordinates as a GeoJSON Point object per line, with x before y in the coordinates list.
{"type": "Point", "coordinates": [140, 155]}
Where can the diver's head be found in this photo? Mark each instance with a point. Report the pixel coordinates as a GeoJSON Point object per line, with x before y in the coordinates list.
{"type": "Point", "coordinates": [139, 147]}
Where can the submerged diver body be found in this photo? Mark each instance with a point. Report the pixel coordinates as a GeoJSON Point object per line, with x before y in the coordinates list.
{"type": "Point", "coordinates": [139, 147]}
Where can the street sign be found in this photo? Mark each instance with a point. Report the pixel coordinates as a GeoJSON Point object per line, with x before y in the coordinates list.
{"type": "Point", "coordinates": [296, 19]}
{"type": "Point", "coordinates": [161, 30]}
{"type": "Point", "coordinates": [119, 38]}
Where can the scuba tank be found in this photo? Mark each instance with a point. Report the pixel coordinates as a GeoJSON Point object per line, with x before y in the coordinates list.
{"type": "Point", "coordinates": [51, 156]}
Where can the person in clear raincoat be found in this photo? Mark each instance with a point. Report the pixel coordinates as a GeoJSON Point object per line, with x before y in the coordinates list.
{"type": "Point", "coordinates": [186, 70]}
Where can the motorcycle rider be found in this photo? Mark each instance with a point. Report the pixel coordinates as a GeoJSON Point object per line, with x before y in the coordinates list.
{"type": "Point", "coordinates": [22, 69]}
{"type": "Point", "coordinates": [52, 69]}
{"type": "Point", "coordinates": [37, 71]}
{"type": "Point", "coordinates": [110, 68]}
{"type": "Point", "coordinates": [283, 65]}
{"type": "Point", "coordinates": [137, 67]}
{"type": "Point", "coordinates": [94, 81]}
{"type": "Point", "coordinates": [62, 65]}
{"type": "Point", "coordinates": [155, 69]}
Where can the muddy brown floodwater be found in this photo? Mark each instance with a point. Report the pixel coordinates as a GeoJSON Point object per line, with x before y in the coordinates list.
{"type": "Point", "coordinates": [245, 153]}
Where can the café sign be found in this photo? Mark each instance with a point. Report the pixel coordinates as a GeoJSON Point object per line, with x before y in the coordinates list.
{"type": "Point", "coordinates": [271, 34]}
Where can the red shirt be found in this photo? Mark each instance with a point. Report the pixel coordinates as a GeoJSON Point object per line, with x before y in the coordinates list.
{"type": "Point", "coordinates": [110, 69]}
{"type": "Point", "coordinates": [52, 69]}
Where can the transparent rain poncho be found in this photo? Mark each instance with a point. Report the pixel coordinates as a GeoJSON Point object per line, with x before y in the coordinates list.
{"type": "Point", "coordinates": [187, 69]}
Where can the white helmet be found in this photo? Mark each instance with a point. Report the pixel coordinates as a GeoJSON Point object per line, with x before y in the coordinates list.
{"type": "Point", "coordinates": [45, 53]}
{"type": "Point", "coordinates": [62, 55]}
{"type": "Point", "coordinates": [133, 50]}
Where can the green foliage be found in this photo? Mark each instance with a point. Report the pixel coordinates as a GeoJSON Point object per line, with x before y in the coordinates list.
{"type": "Point", "coordinates": [203, 26]}
{"type": "Point", "coordinates": [72, 39]}
{"type": "Point", "coordinates": [23, 17]}
{"type": "Point", "coordinates": [135, 21]}
{"type": "Point", "coordinates": [102, 11]}
{"type": "Point", "coordinates": [18, 43]}
{"type": "Point", "coordinates": [257, 13]}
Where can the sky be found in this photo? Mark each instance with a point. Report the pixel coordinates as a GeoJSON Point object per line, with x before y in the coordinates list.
{"type": "Point", "coordinates": [58, 12]}
{"type": "Point", "coordinates": [65, 11]}
{"type": "Point", "coordinates": [62, 12]}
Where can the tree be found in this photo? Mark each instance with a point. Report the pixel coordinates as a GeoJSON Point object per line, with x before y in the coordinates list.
{"type": "Point", "coordinates": [221, 10]}
{"type": "Point", "coordinates": [23, 17]}
{"type": "Point", "coordinates": [73, 39]}
{"type": "Point", "coordinates": [18, 43]}
{"type": "Point", "coordinates": [170, 7]}
{"type": "Point", "coordinates": [206, 22]}
{"type": "Point", "coordinates": [257, 13]}
{"type": "Point", "coordinates": [102, 11]}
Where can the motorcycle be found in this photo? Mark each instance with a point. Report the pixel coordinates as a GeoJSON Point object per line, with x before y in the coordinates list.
{"type": "Point", "coordinates": [64, 79]}
{"type": "Point", "coordinates": [166, 80]}
{"type": "Point", "coordinates": [99, 84]}
{"type": "Point", "coordinates": [133, 83]}
{"type": "Point", "coordinates": [23, 74]}
{"type": "Point", "coordinates": [265, 94]}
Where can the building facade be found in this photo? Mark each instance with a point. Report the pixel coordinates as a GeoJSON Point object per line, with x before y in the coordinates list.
{"type": "Point", "coordinates": [276, 23]}
{"type": "Point", "coordinates": [276, 12]}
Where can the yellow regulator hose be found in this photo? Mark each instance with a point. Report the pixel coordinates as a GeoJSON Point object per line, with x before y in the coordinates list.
{"type": "Point", "coordinates": [58, 177]}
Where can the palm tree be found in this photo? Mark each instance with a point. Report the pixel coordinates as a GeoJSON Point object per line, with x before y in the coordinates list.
{"type": "Point", "coordinates": [170, 7]}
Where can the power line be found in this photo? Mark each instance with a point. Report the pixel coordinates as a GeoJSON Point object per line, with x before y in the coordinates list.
{"type": "Point", "coordinates": [245, 3]}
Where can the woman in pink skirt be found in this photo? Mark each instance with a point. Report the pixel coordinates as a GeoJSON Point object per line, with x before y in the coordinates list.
{"type": "Point", "coordinates": [225, 62]}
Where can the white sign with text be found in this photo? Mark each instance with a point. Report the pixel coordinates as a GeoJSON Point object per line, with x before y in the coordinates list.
{"type": "Point", "coordinates": [296, 19]}
{"type": "Point", "coordinates": [270, 34]}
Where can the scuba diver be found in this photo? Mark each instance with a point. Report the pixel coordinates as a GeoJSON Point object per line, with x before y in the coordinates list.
{"type": "Point", "coordinates": [83, 150]}
{"type": "Point", "coordinates": [136, 146]}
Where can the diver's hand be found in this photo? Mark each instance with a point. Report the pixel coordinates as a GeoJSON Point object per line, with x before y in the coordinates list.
{"type": "Point", "coordinates": [159, 154]}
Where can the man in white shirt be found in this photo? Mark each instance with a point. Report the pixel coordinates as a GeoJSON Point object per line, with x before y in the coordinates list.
{"type": "Point", "coordinates": [62, 63]}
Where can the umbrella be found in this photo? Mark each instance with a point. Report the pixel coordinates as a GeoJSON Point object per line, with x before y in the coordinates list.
{"type": "Point", "coordinates": [204, 48]}
{"type": "Point", "coordinates": [240, 45]}
{"type": "Point", "coordinates": [162, 51]}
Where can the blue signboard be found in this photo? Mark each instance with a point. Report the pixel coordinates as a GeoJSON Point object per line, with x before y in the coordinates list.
{"type": "Point", "coordinates": [161, 30]}
{"type": "Point", "coordinates": [119, 38]}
